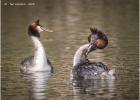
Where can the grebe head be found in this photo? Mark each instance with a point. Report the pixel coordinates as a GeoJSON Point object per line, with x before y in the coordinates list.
{"type": "Point", "coordinates": [98, 37]}
{"type": "Point", "coordinates": [97, 40]}
{"type": "Point", "coordinates": [35, 28]}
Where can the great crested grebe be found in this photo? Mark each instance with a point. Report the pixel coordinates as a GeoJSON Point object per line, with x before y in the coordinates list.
{"type": "Point", "coordinates": [86, 69]}
{"type": "Point", "coordinates": [39, 61]}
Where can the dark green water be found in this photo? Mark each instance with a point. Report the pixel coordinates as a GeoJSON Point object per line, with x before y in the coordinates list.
{"type": "Point", "coordinates": [70, 20]}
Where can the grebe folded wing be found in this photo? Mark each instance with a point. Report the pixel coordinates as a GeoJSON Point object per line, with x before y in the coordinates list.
{"type": "Point", "coordinates": [26, 64]}
{"type": "Point", "coordinates": [89, 70]}
{"type": "Point", "coordinates": [49, 62]}
{"type": "Point", "coordinates": [28, 61]}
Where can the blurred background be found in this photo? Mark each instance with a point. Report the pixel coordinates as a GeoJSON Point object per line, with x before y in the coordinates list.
{"type": "Point", "coordinates": [70, 20]}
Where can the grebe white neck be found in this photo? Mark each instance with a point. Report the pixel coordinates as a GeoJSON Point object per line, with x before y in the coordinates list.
{"type": "Point", "coordinates": [36, 42]}
{"type": "Point", "coordinates": [40, 58]}
{"type": "Point", "coordinates": [80, 55]}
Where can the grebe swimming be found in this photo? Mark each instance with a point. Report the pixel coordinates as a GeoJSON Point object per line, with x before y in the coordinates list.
{"type": "Point", "coordinates": [39, 61]}
{"type": "Point", "coordinates": [86, 69]}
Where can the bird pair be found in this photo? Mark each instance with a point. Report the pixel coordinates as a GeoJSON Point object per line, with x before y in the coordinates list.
{"type": "Point", "coordinates": [82, 67]}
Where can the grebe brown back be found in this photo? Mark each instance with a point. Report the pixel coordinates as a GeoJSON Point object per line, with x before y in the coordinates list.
{"type": "Point", "coordinates": [39, 61]}
{"type": "Point", "coordinates": [86, 69]}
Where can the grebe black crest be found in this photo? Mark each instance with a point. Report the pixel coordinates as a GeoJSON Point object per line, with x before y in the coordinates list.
{"type": "Point", "coordinates": [39, 61]}
{"type": "Point", "coordinates": [86, 69]}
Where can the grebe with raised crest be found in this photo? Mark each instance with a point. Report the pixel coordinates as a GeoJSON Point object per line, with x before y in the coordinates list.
{"type": "Point", "coordinates": [39, 61]}
{"type": "Point", "coordinates": [83, 68]}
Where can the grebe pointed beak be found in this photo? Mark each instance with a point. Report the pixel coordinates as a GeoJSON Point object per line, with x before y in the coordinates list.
{"type": "Point", "coordinates": [91, 47]}
{"type": "Point", "coordinates": [41, 29]}
{"type": "Point", "coordinates": [45, 29]}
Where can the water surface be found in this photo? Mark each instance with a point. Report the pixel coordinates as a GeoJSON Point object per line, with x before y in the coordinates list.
{"type": "Point", "coordinates": [71, 20]}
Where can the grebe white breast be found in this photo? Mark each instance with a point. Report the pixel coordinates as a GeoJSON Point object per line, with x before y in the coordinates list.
{"type": "Point", "coordinates": [39, 61]}
{"type": "Point", "coordinates": [86, 69]}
